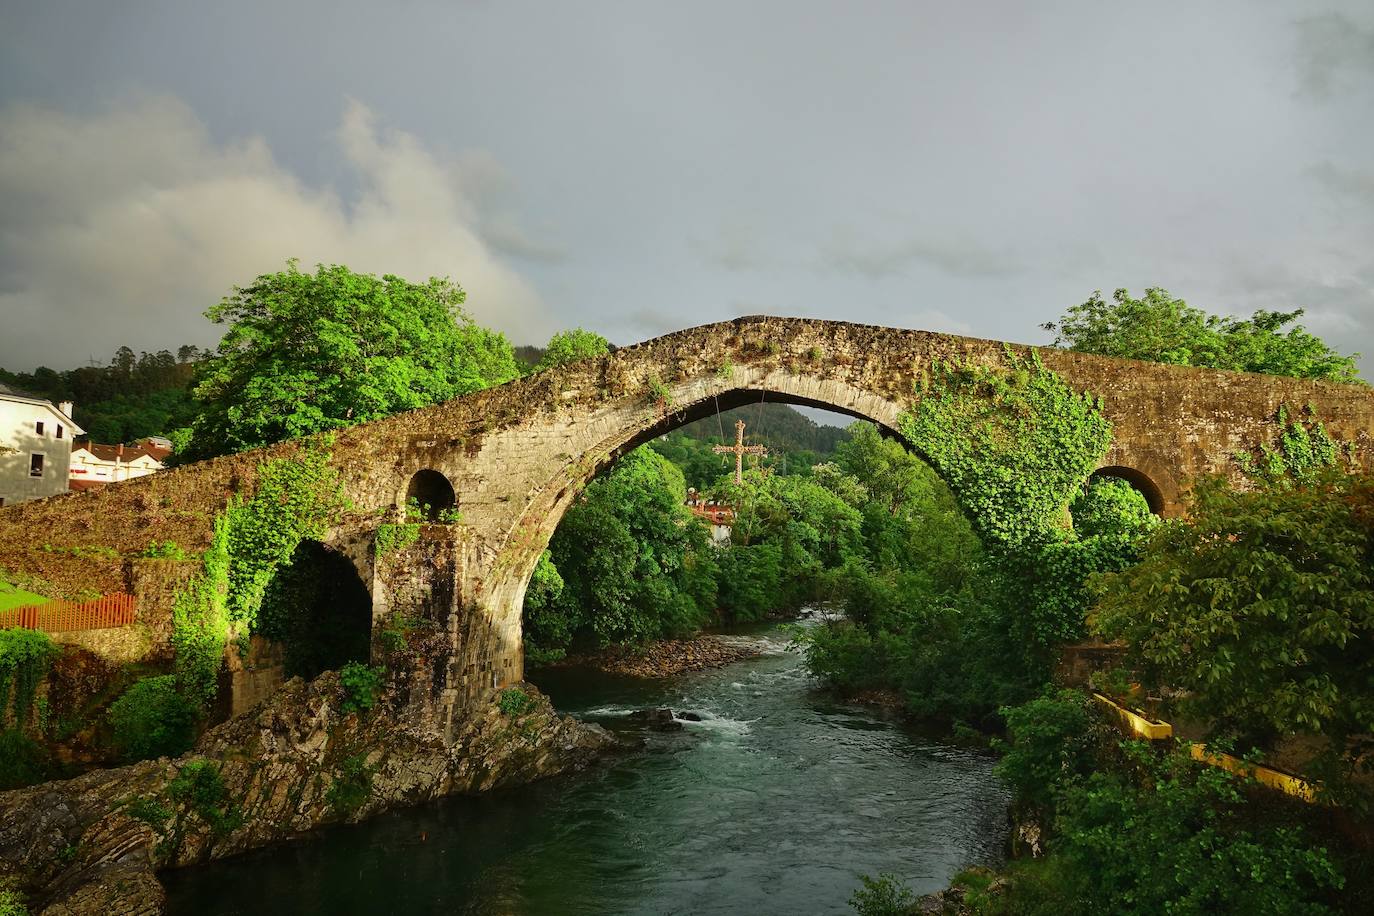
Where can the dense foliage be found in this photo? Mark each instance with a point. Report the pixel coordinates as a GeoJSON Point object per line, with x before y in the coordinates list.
{"type": "Point", "coordinates": [960, 593]}
{"type": "Point", "coordinates": [633, 563]}
{"type": "Point", "coordinates": [1163, 329]}
{"type": "Point", "coordinates": [24, 659]}
{"type": "Point", "coordinates": [312, 352]}
{"type": "Point", "coordinates": [152, 719]}
{"type": "Point", "coordinates": [571, 346]}
{"type": "Point", "coordinates": [295, 499]}
{"type": "Point", "coordinates": [1014, 444]}
{"type": "Point", "coordinates": [1139, 830]}
{"type": "Point", "coordinates": [1262, 606]}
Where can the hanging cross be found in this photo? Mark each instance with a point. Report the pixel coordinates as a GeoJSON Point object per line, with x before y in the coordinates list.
{"type": "Point", "coordinates": [739, 450]}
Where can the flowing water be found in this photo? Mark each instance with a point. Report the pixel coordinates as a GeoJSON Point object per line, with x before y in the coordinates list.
{"type": "Point", "coordinates": [775, 803]}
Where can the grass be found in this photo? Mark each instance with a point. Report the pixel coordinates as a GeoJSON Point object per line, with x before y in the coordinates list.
{"type": "Point", "coordinates": [13, 596]}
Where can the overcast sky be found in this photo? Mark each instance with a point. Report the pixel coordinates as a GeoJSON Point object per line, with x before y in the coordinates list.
{"type": "Point", "coordinates": [640, 167]}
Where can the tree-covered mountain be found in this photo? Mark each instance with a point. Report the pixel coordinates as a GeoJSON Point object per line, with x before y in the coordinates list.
{"type": "Point", "coordinates": [131, 397]}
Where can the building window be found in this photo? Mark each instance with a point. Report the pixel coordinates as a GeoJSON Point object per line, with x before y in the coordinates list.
{"type": "Point", "coordinates": [38, 427]}
{"type": "Point", "coordinates": [36, 465]}
{"type": "Point", "coordinates": [59, 430]}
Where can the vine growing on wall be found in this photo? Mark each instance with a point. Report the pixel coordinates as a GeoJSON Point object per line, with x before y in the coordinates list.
{"type": "Point", "coordinates": [296, 498]}
{"type": "Point", "coordinates": [1014, 444]}
{"type": "Point", "coordinates": [200, 626]}
{"type": "Point", "coordinates": [1301, 451]}
{"type": "Point", "coordinates": [24, 659]}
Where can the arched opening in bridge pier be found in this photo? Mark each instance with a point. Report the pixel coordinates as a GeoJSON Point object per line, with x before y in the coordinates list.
{"type": "Point", "coordinates": [1140, 481]}
{"type": "Point", "coordinates": [430, 494]}
{"type": "Point", "coordinates": [317, 611]}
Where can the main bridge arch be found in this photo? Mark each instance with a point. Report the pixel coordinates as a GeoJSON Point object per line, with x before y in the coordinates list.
{"type": "Point", "coordinates": [693, 400]}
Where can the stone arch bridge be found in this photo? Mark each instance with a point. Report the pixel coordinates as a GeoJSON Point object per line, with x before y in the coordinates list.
{"type": "Point", "coordinates": [513, 458]}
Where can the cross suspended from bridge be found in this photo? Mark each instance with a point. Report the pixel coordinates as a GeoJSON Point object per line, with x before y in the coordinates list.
{"type": "Point", "coordinates": [739, 450]}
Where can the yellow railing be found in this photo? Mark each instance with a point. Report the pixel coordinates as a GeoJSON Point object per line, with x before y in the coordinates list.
{"type": "Point", "coordinates": [1144, 727]}
{"type": "Point", "coordinates": [1265, 776]}
{"type": "Point", "coordinates": [1136, 723]}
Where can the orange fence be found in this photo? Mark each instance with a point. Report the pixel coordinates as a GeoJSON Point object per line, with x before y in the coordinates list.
{"type": "Point", "coordinates": [61, 616]}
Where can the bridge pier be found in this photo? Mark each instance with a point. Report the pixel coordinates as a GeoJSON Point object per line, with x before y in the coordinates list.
{"type": "Point", "coordinates": [435, 632]}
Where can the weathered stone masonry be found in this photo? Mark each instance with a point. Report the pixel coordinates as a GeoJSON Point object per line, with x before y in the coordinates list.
{"type": "Point", "coordinates": [518, 455]}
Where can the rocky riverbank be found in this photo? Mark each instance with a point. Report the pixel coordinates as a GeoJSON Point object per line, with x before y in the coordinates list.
{"type": "Point", "coordinates": [665, 657]}
{"type": "Point", "coordinates": [296, 762]}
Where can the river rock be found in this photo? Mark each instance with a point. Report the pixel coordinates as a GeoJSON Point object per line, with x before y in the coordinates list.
{"type": "Point", "coordinates": [92, 845]}
{"type": "Point", "coordinates": [658, 719]}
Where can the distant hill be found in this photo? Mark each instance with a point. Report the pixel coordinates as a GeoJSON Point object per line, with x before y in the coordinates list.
{"type": "Point", "coordinates": [779, 426]}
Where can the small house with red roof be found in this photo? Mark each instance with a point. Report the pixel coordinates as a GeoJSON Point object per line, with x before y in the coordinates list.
{"type": "Point", "coordinates": [95, 465]}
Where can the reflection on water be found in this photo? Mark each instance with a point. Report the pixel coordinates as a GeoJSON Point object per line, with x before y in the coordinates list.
{"type": "Point", "coordinates": [774, 803]}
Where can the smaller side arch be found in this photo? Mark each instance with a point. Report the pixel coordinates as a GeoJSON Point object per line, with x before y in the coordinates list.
{"type": "Point", "coordinates": [432, 491]}
{"type": "Point", "coordinates": [1154, 497]}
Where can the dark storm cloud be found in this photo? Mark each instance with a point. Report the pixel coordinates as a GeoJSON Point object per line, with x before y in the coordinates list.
{"type": "Point", "coordinates": [878, 259]}
{"type": "Point", "coordinates": [1335, 53]}
{"type": "Point", "coordinates": [634, 168]}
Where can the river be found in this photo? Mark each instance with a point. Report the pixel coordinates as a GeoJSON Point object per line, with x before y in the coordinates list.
{"type": "Point", "coordinates": [775, 803]}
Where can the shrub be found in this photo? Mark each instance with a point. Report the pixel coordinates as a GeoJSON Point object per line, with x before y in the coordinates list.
{"type": "Point", "coordinates": [1048, 745]}
{"type": "Point", "coordinates": [11, 901]}
{"type": "Point", "coordinates": [884, 895]}
{"type": "Point", "coordinates": [200, 787]}
{"type": "Point", "coordinates": [351, 787]}
{"type": "Point", "coordinates": [24, 658]}
{"type": "Point", "coordinates": [361, 685]}
{"type": "Point", "coordinates": [23, 761]}
{"type": "Point", "coordinates": [1178, 837]}
{"type": "Point", "coordinates": [152, 719]}
{"type": "Point", "coordinates": [515, 702]}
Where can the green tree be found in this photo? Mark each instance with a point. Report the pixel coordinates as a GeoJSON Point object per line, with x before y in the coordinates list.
{"type": "Point", "coordinates": [311, 352]}
{"type": "Point", "coordinates": [634, 563]}
{"type": "Point", "coordinates": [1163, 329]}
{"type": "Point", "coordinates": [153, 719]}
{"type": "Point", "coordinates": [1261, 605]}
{"type": "Point", "coordinates": [571, 346]}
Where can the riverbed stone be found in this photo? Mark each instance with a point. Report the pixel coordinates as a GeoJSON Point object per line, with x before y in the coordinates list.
{"type": "Point", "coordinates": [92, 845]}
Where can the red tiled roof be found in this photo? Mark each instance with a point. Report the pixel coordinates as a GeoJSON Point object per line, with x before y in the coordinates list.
{"type": "Point", "coordinates": [85, 484]}
{"type": "Point", "coordinates": [156, 452]}
{"type": "Point", "coordinates": [109, 452]}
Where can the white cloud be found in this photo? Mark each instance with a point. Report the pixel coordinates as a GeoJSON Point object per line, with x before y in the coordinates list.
{"type": "Point", "coordinates": [123, 226]}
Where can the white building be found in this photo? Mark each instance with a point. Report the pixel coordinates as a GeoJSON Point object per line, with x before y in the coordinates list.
{"type": "Point", "coordinates": [94, 465]}
{"type": "Point", "coordinates": [35, 446]}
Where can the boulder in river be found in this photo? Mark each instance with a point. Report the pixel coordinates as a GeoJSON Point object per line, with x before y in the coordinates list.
{"type": "Point", "coordinates": [660, 719]}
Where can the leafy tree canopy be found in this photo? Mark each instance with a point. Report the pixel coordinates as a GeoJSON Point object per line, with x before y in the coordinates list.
{"type": "Point", "coordinates": [1163, 329]}
{"type": "Point", "coordinates": [630, 563]}
{"type": "Point", "coordinates": [570, 346]}
{"type": "Point", "coordinates": [1261, 605]}
{"type": "Point", "coordinates": [311, 352]}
